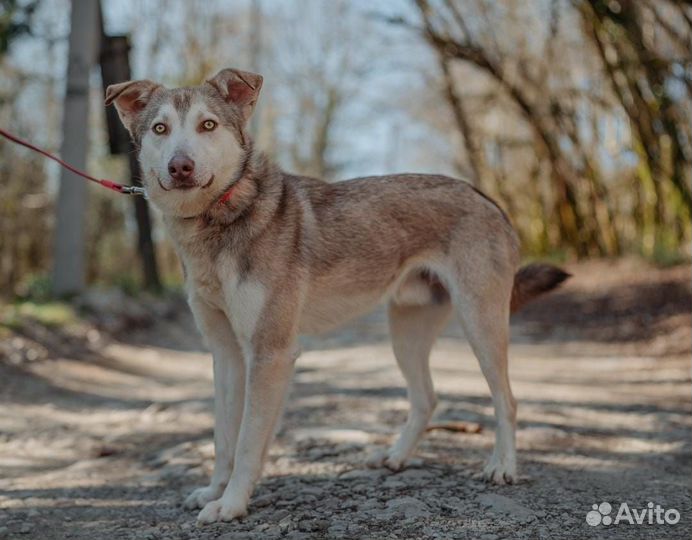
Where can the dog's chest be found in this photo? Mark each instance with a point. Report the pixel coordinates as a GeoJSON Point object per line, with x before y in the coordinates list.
{"type": "Point", "coordinates": [204, 275]}
{"type": "Point", "coordinates": [204, 280]}
{"type": "Point", "coordinates": [218, 284]}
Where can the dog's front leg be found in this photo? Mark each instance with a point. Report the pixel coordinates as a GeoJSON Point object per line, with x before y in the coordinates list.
{"type": "Point", "coordinates": [268, 378]}
{"type": "Point", "coordinates": [229, 390]}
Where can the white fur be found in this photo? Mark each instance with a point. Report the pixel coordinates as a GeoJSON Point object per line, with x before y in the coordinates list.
{"type": "Point", "coordinates": [215, 153]}
{"type": "Point", "coordinates": [246, 302]}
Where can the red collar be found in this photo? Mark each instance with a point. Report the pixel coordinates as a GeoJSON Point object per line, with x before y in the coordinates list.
{"type": "Point", "coordinates": [227, 195]}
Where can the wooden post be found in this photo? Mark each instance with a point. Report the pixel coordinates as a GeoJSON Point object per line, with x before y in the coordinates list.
{"type": "Point", "coordinates": [68, 268]}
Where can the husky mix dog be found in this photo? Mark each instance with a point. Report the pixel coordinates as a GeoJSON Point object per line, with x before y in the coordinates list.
{"type": "Point", "coordinates": [269, 256]}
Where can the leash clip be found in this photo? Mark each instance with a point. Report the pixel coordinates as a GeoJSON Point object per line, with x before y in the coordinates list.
{"type": "Point", "coordinates": [134, 190]}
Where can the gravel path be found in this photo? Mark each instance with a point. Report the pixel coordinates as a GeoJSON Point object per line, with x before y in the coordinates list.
{"type": "Point", "coordinates": [107, 448]}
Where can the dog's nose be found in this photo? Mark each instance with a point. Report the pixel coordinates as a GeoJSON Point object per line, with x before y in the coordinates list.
{"type": "Point", "coordinates": [181, 168]}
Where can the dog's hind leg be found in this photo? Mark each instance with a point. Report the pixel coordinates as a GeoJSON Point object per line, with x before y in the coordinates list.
{"type": "Point", "coordinates": [413, 329]}
{"type": "Point", "coordinates": [485, 318]}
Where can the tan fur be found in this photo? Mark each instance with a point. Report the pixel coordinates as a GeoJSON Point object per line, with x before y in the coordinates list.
{"type": "Point", "coordinates": [288, 255]}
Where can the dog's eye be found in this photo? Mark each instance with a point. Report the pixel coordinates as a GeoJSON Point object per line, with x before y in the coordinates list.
{"type": "Point", "coordinates": [208, 125]}
{"type": "Point", "coordinates": [159, 128]}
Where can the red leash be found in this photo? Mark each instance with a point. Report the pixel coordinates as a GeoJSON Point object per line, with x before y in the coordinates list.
{"type": "Point", "coordinates": [127, 190]}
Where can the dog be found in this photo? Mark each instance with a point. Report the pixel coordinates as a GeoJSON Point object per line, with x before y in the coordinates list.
{"type": "Point", "coordinates": [268, 256]}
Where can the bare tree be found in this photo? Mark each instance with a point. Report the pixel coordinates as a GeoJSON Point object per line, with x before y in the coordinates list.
{"type": "Point", "coordinates": [562, 92]}
{"type": "Point", "coordinates": [316, 76]}
{"type": "Point", "coordinates": [631, 39]}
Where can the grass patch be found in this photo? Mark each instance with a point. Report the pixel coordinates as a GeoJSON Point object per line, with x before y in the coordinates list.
{"type": "Point", "coordinates": [50, 314]}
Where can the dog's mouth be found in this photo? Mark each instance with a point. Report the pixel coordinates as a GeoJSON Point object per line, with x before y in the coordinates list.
{"type": "Point", "coordinates": [183, 186]}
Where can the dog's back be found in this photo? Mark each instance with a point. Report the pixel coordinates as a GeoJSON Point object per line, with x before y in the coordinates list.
{"type": "Point", "coordinates": [379, 236]}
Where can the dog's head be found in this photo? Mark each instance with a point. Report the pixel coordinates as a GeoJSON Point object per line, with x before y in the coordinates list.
{"type": "Point", "coordinates": [191, 141]}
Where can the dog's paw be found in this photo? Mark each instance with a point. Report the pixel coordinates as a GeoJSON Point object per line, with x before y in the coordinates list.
{"type": "Point", "coordinates": [210, 512]}
{"type": "Point", "coordinates": [201, 496]}
{"type": "Point", "coordinates": [386, 458]}
{"type": "Point", "coordinates": [221, 510]}
{"type": "Point", "coordinates": [500, 472]}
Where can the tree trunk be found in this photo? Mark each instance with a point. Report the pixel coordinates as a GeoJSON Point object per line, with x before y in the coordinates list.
{"type": "Point", "coordinates": [455, 102]}
{"type": "Point", "coordinates": [115, 67]}
{"type": "Point", "coordinates": [68, 269]}
{"type": "Point", "coordinates": [145, 243]}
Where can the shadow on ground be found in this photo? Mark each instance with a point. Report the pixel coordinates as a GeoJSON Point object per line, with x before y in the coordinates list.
{"type": "Point", "coordinates": [106, 444]}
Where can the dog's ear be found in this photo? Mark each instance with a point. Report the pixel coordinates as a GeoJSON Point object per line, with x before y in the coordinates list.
{"type": "Point", "coordinates": [240, 88]}
{"type": "Point", "coordinates": [130, 98]}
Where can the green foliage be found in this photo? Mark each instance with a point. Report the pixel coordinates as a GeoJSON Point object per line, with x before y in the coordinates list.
{"type": "Point", "coordinates": [35, 288]}
{"type": "Point", "coordinates": [558, 257]}
{"type": "Point", "coordinates": [51, 314]}
{"type": "Point", "coordinates": [668, 253]}
{"type": "Point", "coordinates": [129, 284]}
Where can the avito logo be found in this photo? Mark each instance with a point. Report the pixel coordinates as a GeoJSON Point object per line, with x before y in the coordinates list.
{"type": "Point", "coordinates": [651, 515]}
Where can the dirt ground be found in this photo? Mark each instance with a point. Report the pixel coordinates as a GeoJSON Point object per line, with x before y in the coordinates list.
{"type": "Point", "coordinates": [103, 435]}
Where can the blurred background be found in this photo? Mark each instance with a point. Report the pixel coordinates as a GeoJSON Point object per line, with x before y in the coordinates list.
{"type": "Point", "coordinates": [573, 114]}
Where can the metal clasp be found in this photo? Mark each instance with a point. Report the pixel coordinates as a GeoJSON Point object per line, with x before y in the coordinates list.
{"type": "Point", "coordinates": [135, 190]}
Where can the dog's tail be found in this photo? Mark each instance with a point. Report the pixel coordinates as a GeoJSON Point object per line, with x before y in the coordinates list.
{"type": "Point", "coordinates": [533, 280]}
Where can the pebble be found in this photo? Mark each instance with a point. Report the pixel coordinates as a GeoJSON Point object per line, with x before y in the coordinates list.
{"type": "Point", "coordinates": [369, 505]}
{"type": "Point", "coordinates": [356, 531]}
{"type": "Point", "coordinates": [357, 474]}
{"type": "Point", "coordinates": [264, 500]}
{"type": "Point", "coordinates": [297, 535]}
{"type": "Point", "coordinates": [414, 476]}
{"type": "Point", "coordinates": [337, 531]}
{"type": "Point", "coordinates": [313, 525]}
{"type": "Point", "coordinates": [499, 504]}
{"type": "Point", "coordinates": [393, 483]}
{"type": "Point", "coordinates": [280, 514]}
{"type": "Point", "coordinates": [407, 507]}
{"type": "Point", "coordinates": [286, 524]}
